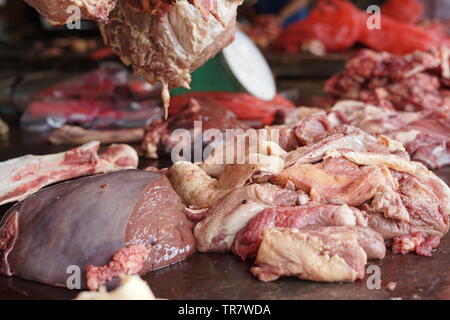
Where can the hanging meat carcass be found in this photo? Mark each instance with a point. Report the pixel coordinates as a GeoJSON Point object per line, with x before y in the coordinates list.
{"type": "Point", "coordinates": [165, 42]}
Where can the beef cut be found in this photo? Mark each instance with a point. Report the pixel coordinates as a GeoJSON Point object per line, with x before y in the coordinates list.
{"type": "Point", "coordinates": [125, 222]}
{"type": "Point", "coordinates": [27, 174]}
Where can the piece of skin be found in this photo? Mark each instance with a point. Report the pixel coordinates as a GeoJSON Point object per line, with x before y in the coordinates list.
{"type": "Point", "coordinates": [74, 135]}
{"type": "Point", "coordinates": [25, 175]}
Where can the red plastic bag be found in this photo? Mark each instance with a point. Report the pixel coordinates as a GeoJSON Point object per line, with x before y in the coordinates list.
{"type": "Point", "coordinates": [336, 23]}
{"type": "Point", "coordinates": [398, 37]}
{"type": "Point", "coordinates": [409, 11]}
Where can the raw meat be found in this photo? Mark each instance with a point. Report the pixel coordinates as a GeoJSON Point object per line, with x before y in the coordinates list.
{"type": "Point", "coordinates": [347, 184]}
{"type": "Point", "coordinates": [427, 140]}
{"type": "Point", "coordinates": [416, 242]}
{"type": "Point", "coordinates": [92, 221]}
{"type": "Point", "coordinates": [318, 255]}
{"type": "Point", "coordinates": [425, 135]}
{"type": "Point", "coordinates": [159, 140]}
{"type": "Point", "coordinates": [58, 11]}
{"type": "Point", "coordinates": [199, 190]}
{"type": "Point", "coordinates": [247, 241]}
{"type": "Point", "coordinates": [414, 82]}
{"type": "Point", "coordinates": [231, 213]}
{"type": "Point", "coordinates": [167, 47]}
{"type": "Point", "coordinates": [341, 137]}
{"type": "Point", "coordinates": [27, 174]}
{"type": "Point", "coordinates": [77, 135]}
{"type": "Point", "coordinates": [104, 98]}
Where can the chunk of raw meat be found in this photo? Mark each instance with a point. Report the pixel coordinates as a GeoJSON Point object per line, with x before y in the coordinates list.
{"type": "Point", "coordinates": [414, 82]}
{"type": "Point", "coordinates": [248, 240]}
{"type": "Point", "coordinates": [416, 242]}
{"type": "Point", "coordinates": [336, 181]}
{"type": "Point", "coordinates": [168, 46]}
{"type": "Point", "coordinates": [342, 137]}
{"type": "Point", "coordinates": [160, 141]}
{"type": "Point", "coordinates": [59, 11]}
{"type": "Point", "coordinates": [197, 189]}
{"type": "Point", "coordinates": [317, 255]}
{"type": "Point", "coordinates": [232, 213]}
{"type": "Point", "coordinates": [77, 135]}
{"type": "Point", "coordinates": [25, 175]}
{"type": "Point", "coordinates": [422, 200]}
{"type": "Point", "coordinates": [427, 140]}
{"type": "Point", "coordinates": [372, 119]}
{"type": "Point", "coordinates": [87, 221]}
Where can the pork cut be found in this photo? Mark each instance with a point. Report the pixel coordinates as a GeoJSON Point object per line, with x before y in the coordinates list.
{"type": "Point", "coordinates": [107, 225]}
{"type": "Point", "coordinates": [27, 174]}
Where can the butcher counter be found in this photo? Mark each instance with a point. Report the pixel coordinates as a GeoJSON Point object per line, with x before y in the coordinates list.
{"type": "Point", "coordinates": [215, 276]}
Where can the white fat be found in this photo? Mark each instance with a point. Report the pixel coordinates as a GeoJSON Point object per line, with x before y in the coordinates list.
{"type": "Point", "coordinates": [238, 219]}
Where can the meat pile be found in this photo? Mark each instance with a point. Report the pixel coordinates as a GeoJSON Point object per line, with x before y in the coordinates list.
{"type": "Point", "coordinates": [419, 81]}
{"type": "Point", "coordinates": [404, 97]}
{"type": "Point", "coordinates": [425, 137]}
{"type": "Point", "coordinates": [316, 201]}
{"type": "Point", "coordinates": [106, 97]}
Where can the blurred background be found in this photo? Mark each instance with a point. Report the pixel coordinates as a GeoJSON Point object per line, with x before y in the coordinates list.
{"type": "Point", "coordinates": [304, 42]}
